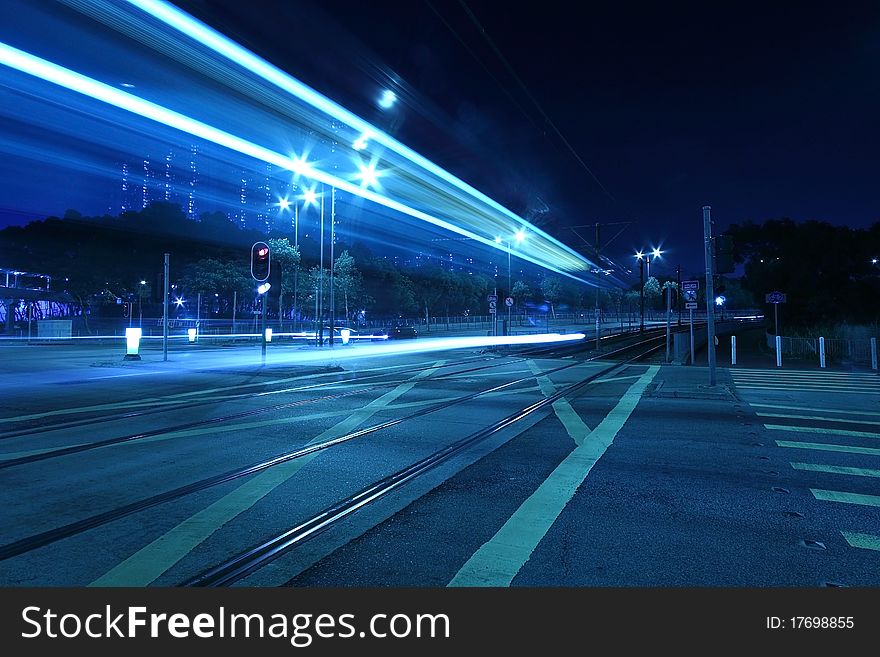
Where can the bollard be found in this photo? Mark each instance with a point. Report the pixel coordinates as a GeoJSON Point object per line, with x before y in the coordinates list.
{"type": "Point", "coordinates": [873, 353]}
{"type": "Point", "coordinates": [192, 334]}
{"type": "Point", "coordinates": [345, 334]}
{"type": "Point", "coordinates": [821, 352]}
{"type": "Point", "coordinates": [733, 350]}
{"type": "Point", "coordinates": [132, 343]}
{"type": "Point", "coordinates": [778, 351]}
{"type": "Point", "coordinates": [268, 335]}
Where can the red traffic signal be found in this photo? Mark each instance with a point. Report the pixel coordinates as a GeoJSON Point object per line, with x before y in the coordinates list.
{"type": "Point", "coordinates": [260, 261]}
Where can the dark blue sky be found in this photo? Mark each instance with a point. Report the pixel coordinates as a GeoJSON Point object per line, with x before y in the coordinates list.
{"type": "Point", "coordinates": [760, 110]}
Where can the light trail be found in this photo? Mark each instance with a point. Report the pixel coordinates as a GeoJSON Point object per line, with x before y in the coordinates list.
{"type": "Point", "coordinates": [68, 79]}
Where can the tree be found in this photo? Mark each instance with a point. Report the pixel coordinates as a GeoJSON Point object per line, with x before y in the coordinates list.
{"type": "Point", "coordinates": [285, 260]}
{"type": "Point", "coordinates": [348, 280]}
{"type": "Point", "coordinates": [551, 287]}
{"type": "Point", "coordinates": [521, 293]}
{"type": "Point", "coordinates": [215, 276]}
{"type": "Point", "coordinates": [652, 290]}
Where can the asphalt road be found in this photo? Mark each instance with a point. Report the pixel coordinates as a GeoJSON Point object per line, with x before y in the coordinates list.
{"type": "Point", "coordinates": [644, 477]}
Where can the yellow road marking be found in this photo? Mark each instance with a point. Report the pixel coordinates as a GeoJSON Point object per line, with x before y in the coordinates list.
{"type": "Point", "coordinates": [828, 447]}
{"type": "Point", "coordinates": [846, 498]}
{"type": "Point", "coordinates": [864, 541]}
{"type": "Point", "coordinates": [836, 469]}
{"type": "Point", "coordinates": [148, 563]}
{"type": "Point", "coordinates": [498, 560]}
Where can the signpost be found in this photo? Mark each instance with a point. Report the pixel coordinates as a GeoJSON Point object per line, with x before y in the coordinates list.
{"type": "Point", "coordinates": [689, 292]}
{"type": "Point", "coordinates": [775, 298]}
{"type": "Point", "coordinates": [493, 301]}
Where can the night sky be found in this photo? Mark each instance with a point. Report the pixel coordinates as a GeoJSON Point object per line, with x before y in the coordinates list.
{"type": "Point", "coordinates": [759, 110]}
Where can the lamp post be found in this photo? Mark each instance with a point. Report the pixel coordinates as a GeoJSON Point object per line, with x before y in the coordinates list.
{"type": "Point", "coordinates": [641, 258]}
{"type": "Point", "coordinates": [519, 236]}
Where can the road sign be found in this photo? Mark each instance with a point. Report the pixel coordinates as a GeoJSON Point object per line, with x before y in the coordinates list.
{"type": "Point", "coordinates": [492, 298]}
{"type": "Point", "coordinates": [508, 301]}
{"type": "Point", "coordinates": [690, 285]}
{"type": "Point", "coordinates": [775, 297]}
{"type": "Point", "coordinates": [691, 305]}
{"type": "Point", "coordinates": [690, 295]}
{"type": "Point", "coordinates": [492, 306]}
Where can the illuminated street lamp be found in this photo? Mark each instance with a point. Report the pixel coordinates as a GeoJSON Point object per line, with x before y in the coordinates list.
{"type": "Point", "coordinates": [641, 258]}
{"type": "Point", "coordinates": [387, 99]}
{"type": "Point", "coordinates": [655, 253]}
{"type": "Point", "coordinates": [519, 237]}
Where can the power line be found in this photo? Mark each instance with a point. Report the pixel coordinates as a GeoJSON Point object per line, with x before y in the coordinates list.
{"type": "Point", "coordinates": [525, 89]}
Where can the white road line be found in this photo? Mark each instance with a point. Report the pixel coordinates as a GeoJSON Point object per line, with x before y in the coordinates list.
{"type": "Point", "coordinates": [829, 447]}
{"type": "Point", "coordinates": [818, 418]}
{"type": "Point", "coordinates": [822, 430]}
{"type": "Point", "coordinates": [498, 560]}
{"type": "Point", "coordinates": [836, 469]}
{"type": "Point", "coordinates": [821, 410]}
{"type": "Point", "coordinates": [148, 563]}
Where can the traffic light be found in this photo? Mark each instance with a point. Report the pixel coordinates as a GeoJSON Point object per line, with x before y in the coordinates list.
{"type": "Point", "coordinates": [260, 261]}
{"type": "Point", "coordinates": [724, 254]}
{"type": "Point", "coordinates": [126, 309]}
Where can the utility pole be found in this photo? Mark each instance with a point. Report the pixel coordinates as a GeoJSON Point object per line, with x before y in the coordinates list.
{"type": "Point", "coordinates": [595, 249]}
{"type": "Point", "coordinates": [319, 315]}
{"type": "Point", "coordinates": [678, 297]}
{"type": "Point", "coordinates": [332, 263]}
{"type": "Point", "coordinates": [165, 311]}
{"type": "Point", "coordinates": [296, 271]}
{"type": "Point", "coordinates": [598, 279]}
{"type": "Point", "coordinates": [641, 295]}
{"type": "Point", "coordinates": [710, 293]}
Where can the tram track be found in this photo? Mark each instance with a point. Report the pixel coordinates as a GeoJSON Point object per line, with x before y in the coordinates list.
{"type": "Point", "coordinates": [253, 559]}
{"type": "Point", "coordinates": [54, 535]}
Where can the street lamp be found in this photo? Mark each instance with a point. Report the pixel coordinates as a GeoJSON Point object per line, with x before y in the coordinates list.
{"type": "Point", "coordinates": [519, 236]}
{"type": "Point", "coordinates": [655, 253]}
{"type": "Point", "coordinates": [308, 197]}
{"type": "Point", "coordinates": [641, 258]}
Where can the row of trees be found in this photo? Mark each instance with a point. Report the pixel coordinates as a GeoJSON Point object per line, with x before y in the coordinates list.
{"type": "Point", "coordinates": [830, 274]}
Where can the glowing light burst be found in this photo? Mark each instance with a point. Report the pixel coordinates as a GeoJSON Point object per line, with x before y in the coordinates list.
{"type": "Point", "coordinates": [284, 204]}
{"type": "Point", "coordinates": [368, 175]}
{"type": "Point", "coordinates": [423, 190]}
{"type": "Point", "coordinates": [361, 142]}
{"type": "Point", "coordinates": [566, 258]}
{"type": "Point", "coordinates": [310, 197]}
{"type": "Point", "coordinates": [387, 99]}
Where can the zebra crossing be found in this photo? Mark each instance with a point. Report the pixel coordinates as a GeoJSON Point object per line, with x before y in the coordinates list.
{"type": "Point", "coordinates": [839, 451]}
{"type": "Point", "coordinates": [849, 383]}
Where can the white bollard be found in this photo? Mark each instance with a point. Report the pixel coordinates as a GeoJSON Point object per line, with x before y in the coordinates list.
{"type": "Point", "coordinates": [821, 352]}
{"type": "Point", "coordinates": [192, 334]}
{"type": "Point", "coordinates": [132, 343]}
{"type": "Point", "coordinates": [778, 351]}
{"type": "Point", "coordinates": [268, 335]}
{"type": "Point", "coordinates": [733, 350]}
{"type": "Point", "coordinates": [873, 353]}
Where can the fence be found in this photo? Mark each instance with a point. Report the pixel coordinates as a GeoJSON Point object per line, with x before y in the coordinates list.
{"type": "Point", "coordinates": [837, 350]}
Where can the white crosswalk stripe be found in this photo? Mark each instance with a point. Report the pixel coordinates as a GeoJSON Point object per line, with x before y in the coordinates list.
{"type": "Point", "coordinates": [806, 380]}
{"type": "Point", "coordinates": [839, 463]}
